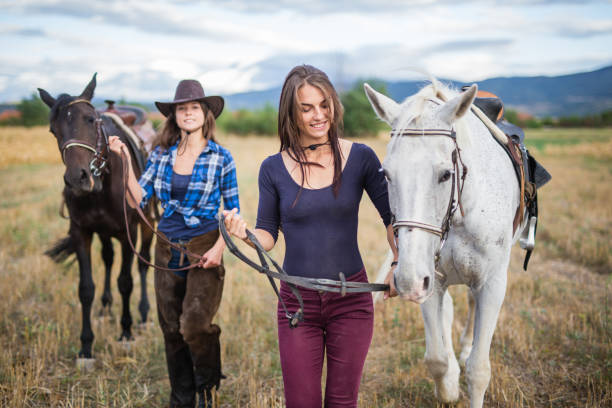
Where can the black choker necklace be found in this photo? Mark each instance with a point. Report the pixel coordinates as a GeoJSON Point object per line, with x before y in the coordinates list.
{"type": "Point", "coordinates": [314, 146]}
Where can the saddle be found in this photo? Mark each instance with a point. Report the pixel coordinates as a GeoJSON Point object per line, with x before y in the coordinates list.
{"type": "Point", "coordinates": [531, 175]}
{"type": "Point", "coordinates": [135, 118]}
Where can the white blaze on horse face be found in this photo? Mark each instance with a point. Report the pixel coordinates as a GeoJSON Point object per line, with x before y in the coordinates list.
{"type": "Point", "coordinates": [414, 167]}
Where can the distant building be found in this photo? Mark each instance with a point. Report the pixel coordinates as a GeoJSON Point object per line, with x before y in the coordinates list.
{"type": "Point", "coordinates": [7, 106]}
{"type": "Point", "coordinates": [8, 114]}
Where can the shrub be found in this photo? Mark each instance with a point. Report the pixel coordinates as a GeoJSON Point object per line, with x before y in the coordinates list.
{"type": "Point", "coordinates": [242, 122]}
{"type": "Point", "coordinates": [34, 112]}
{"type": "Point", "coordinates": [359, 118]}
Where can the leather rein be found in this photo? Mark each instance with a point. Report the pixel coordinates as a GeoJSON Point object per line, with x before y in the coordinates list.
{"type": "Point", "coordinates": [99, 163]}
{"type": "Point", "coordinates": [456, 188]}
{"type": "Point", "coordinates": [341, 286]}
{"type": "Point", "coordinates": [327, 285]}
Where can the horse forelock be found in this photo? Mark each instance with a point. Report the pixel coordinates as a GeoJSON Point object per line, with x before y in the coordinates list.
{"type": "Point", "coordinates": [414, 106]}
{"type": "Point", "coordinates": [60, 102]}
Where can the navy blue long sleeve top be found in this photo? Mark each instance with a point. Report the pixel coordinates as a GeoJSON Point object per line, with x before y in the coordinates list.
{"type": "Point", "coordinates": [320, 230]}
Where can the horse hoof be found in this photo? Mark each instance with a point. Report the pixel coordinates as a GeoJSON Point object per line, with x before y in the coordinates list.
{"type": "Point", "coordinates": [447, 387]}
{"type": "Point", "coordinates": [85, 364]}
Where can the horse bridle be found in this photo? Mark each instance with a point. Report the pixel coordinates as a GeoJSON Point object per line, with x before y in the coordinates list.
{"type": "Point", "coordinates": [100, 150]}
{"type": "Point", "coordinates": [457, 186]}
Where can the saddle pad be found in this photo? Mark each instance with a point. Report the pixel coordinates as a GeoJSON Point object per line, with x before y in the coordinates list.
{"type": "Point", "coordinates": [135, 142]}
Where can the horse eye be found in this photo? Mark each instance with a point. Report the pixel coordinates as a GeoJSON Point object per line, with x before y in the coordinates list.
{"type": "Point", "coordinates": [445, 176]}
{"type": "Point", "coordinates": [90, 119]}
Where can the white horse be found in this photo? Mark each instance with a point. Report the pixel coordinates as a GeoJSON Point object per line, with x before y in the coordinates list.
{"type": "Point", "coordinates": [453, 194]}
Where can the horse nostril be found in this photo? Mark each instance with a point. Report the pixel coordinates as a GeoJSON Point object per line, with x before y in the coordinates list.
{"type": "Point", "coordinates": [84, 176]}
{"type": "Point", "coordinates": [426, 283]}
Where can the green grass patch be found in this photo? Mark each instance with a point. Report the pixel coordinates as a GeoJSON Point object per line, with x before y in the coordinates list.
{"type": "Point", "coordinates": [539, 143]}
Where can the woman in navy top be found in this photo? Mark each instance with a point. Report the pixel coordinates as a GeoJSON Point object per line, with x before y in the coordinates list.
{"type": "Point", "coordinates": [311, 191]}
{"type": "Point", "coordinates": [188, 172]}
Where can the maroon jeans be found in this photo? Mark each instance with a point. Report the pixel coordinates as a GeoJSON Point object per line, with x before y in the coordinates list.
{"type": "Point", "coordinates": [339, 326]}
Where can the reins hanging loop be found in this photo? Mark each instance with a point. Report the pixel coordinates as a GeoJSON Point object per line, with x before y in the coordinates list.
{"type": "Point", "coordinates": [341, 286]}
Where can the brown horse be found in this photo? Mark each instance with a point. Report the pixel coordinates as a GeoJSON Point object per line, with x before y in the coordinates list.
{"type": "Point", "coordinates": [93, 194]}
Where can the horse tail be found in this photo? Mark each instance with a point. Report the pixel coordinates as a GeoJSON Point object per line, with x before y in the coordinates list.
{"type": "Point", "coordinates": [61, 250]}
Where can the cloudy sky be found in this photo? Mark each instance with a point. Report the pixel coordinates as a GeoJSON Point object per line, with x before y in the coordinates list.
{"type": "Point", "coordinates": [141, 48]}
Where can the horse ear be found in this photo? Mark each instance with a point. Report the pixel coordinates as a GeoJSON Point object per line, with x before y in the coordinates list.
{"type": "Point", "coordinates": [459, 105]}
{"type": "Point", "coordinates": [386, 108]}
{"type": "Point", "coordinates": [89, 89]}
{"type": "Point", "coordinates": [46, 98]}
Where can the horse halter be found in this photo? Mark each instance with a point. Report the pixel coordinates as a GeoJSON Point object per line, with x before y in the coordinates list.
{"type": "Point", "coordinates": [100, 150]}
{"type": "Point", "coordinates": [457, 186]}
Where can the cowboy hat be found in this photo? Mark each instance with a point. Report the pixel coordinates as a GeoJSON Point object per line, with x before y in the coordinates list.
{"type": "Point", "coordinates": [191, 90]}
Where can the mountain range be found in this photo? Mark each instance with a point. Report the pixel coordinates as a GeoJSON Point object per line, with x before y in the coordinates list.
{"type": "Point", "coordinates": [576, 94]}
{"type": "Point", "coordinates": [555, 96]}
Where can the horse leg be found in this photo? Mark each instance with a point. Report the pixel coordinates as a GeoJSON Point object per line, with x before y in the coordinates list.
{"type": "Point", "coordinates": [145, 251]}
{"type": "Point", "coordinates": [489, 299]}
{"type": "Point", "coordinates": [82, 241]}
{"type": "Point", "coordinates": [467, 337]}
{"type": "Point", "coordinates": [439, 355]}
{"type": "Point", "coordinates": [107, 256]}
{"type": "Point", "coordinates": [126, 285]}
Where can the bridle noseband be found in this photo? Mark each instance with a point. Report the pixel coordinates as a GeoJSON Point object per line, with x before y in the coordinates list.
{"type": "Point", "coordinates": [457, 187]}
{"type": "Point", "coordinates": [100, 150]}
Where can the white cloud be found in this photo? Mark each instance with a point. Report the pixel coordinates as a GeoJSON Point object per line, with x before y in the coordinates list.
{"type": "Point", "coordinates": [141, 48]}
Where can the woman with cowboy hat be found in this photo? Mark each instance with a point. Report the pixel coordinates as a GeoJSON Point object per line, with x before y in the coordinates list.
{"type": "Point", "coordinates": [188, 172]}
{"type": "Point", "coordinates": [311, 190]}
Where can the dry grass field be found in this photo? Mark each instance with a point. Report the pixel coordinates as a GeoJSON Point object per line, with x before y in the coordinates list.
{"type": "Point", "coordinates": [552, 347]}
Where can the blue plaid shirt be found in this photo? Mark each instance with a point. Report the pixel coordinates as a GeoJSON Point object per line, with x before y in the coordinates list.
{"type": "Point", "coordinates": [213, 176]}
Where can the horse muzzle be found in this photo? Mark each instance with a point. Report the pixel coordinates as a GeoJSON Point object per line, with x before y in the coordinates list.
{"type": "Point", "coordinates": [81, 181]}
{"type": "Point", "coordinates": [416, 290]}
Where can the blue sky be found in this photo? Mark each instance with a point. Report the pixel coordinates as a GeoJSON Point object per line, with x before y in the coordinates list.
{"type": "Point", "coordinates": [142, 48]}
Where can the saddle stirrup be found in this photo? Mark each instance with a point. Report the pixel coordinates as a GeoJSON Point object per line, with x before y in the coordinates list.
{"type": "Point", "coordinates": [527, 240]}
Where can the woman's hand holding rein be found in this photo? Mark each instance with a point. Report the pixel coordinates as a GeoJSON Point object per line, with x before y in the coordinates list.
{"type": "Point", "coordinates": [235, 224]}
{"type": "Point", "coordinates": [237, 227]}
{"type": "Point", "coordinates": [117, 146]}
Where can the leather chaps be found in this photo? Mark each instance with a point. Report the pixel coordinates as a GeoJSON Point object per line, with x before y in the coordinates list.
{"type": "Point", "coordinates": [186, 308]}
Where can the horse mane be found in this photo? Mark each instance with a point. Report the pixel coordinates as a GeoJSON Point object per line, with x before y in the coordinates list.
{"type": "Point", "coordinates": [414, 106]}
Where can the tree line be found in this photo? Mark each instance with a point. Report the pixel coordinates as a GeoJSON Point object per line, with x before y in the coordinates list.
{"type": "Point", "coordinates": [359, 118]}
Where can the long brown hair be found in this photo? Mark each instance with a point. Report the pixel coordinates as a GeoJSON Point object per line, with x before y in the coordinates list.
{"type": "Point", "coordinates": [170, 132]}
{"type": "Point", "coordinates": [289, 120]}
